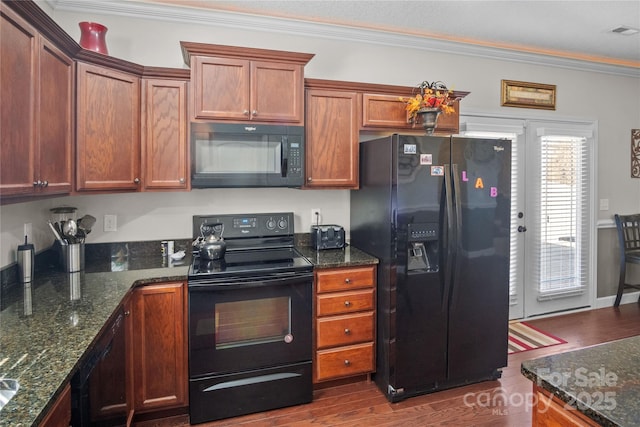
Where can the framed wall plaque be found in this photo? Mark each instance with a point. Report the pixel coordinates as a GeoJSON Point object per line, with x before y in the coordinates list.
{"type": "Point", "coordinates": [635, 153]}
{"type": "Point", "coordinates": [528, 95]}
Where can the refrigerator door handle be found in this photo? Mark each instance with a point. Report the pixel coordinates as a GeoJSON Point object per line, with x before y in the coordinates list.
{"type": "Point", "coordinates": [457, 233]}
{"type": "Point", "coordinates": [450, 239]}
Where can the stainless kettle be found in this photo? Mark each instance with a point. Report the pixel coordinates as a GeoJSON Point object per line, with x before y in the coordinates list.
{"type": "Point", "coordinates": [211, 245]}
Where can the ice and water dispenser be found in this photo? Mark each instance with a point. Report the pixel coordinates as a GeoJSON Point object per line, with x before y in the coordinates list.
{"type": "Point", "coordinates": [423, 247]}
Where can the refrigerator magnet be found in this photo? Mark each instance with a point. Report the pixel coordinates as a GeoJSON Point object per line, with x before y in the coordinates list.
{"type": "Point", "coordinates": [437, 171]}
{"type": "Point", "coordinates": [410, 149]}
{"type": "Point", "coordinates": [426, 159]}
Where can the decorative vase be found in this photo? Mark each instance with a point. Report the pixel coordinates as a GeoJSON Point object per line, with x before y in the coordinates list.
{"type": "Point", "coordinates": [429, 118]}
{"type": "Point", "coordinates": [92, 37]}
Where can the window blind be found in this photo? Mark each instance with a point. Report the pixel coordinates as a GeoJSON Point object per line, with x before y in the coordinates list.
{"type": "Point", "coordinates": [561, 241]}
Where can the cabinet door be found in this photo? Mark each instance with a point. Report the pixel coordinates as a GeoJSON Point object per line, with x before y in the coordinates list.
{"type": "Point", "coordinates": [160, 347]}
{"type": "Point", "coordinates": [331, 129]}
{"type": "Point", "coordinates": [220, 88]}
{"type": "Point", "coordinates": [384, 111]}
{"type": "Point", "coordinates": [18, 50]}
{"type": "Point", "coordinates": [164, 134]}
{"type": "Point", "coordinates": [60, 413]}
{"type": "Point", "coordinates": [55, 120]}
{"type": "Point", "coordinates": [449, 124]}
{"type": "Point", "coordinates": [108, 129]}
{"type": "Point", "coordinates": [276, 92]}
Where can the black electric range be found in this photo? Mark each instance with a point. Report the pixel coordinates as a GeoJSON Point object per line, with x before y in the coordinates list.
{"type": "Point", "coordinates": [250, 319]}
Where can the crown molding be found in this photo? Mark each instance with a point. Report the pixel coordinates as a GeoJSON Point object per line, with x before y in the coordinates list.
{"type": "Point", "coordinates": [243, 21]}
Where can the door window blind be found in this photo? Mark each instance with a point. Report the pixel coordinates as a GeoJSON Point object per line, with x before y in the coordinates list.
{"type": "Point", "coordinates": [562, 241]}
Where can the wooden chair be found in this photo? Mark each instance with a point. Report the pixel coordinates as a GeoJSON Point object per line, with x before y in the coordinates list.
{"type": "Point", "coordinates": [629, 239]}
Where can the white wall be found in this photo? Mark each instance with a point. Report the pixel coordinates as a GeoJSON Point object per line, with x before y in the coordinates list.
{"type": "Point", "coordinates": [612, 100]}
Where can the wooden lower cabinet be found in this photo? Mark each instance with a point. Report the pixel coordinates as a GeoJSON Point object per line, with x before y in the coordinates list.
{"type": "Point", "coordinates": [159, 347]}
{"type": "Point", "coordinates": [60, 413]}
{"type": "Point", "coordinates": [344, 324]}
{"type": "Point", "coordinates": [551, 412]}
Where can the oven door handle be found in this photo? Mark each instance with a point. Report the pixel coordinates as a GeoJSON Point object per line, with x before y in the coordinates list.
{"type": "Point", "coordinates": [205, 285]}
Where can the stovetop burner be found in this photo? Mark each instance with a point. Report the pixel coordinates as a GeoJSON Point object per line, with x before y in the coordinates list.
{"type": "Point", "coordinates": [251, 261]}
{"type": "Point", "coordinates": [257, 244]}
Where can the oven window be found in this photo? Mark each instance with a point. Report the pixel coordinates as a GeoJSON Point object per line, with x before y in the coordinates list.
{"type": "Point", "coordinates": [242, 323]}
{"type": "Point", "coordinates": [237, 154]}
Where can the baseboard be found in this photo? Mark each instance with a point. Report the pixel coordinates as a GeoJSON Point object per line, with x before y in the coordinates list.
{"type": "Point", "coordinates": [627, 298]}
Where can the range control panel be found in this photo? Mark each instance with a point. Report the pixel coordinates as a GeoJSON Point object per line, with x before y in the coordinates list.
{"type": "Point", "coordinates": [237, 226]}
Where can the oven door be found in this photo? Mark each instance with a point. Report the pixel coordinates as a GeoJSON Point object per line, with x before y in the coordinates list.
{"type": "Point", "coordinates": [244, 324]}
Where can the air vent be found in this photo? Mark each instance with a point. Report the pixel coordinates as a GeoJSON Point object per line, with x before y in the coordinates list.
{"type": "Point", "coordinates": [625, 31]}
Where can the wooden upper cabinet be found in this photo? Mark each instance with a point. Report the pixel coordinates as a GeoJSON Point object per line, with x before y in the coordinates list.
{"type": "Point", "coordinates": [448, 123]}
{"type": "Point", "coordinates": [164, 134]}
{"type": "Point", "coordinates": [36, 81]}
{"type": "Point", "coordinates": [387, 111]}
{"type": "Point", "coordinates": [220, 88]}
{"type": "Point", "coordinates": [56, 119]}
{"type": "Point", "coordinates": [331, 136]}
{"type": "Point", "coordinates": [108, 129]}
{"type": "Point", "coordinates": [246, 84]}
{"type": "Point", "coordinates": [384, 111]}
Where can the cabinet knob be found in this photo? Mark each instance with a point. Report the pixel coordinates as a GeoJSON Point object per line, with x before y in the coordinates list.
{"type": "Point", "coordinates": [45, 183]}
{"type": "Point", "coordinates": [181, 180]}
{"type": "Point", "coordinates": [245, 112]}
{"type": "Point", "coordinates": [136, 180]}
{"type": "Point", "coordinates": [347, 331]}
{"type": "Point", "coordinates": [347, 280]}
{"type": "Point", "coordinates": [254, 113]}
{"type": "Point", "coordinates": [347, 362]}
{"type": "Point", "coordinates": [309, 179]}
{"type": "Point", "coordinates": [37, 183]}
{"type": "Point", "coordinates": [347, 303]}
{"type": "Point", "coordinates": [126, 313]}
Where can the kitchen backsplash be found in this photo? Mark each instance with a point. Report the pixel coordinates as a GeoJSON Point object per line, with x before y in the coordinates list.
{"type": "Point", "coordinates": [165, 215]}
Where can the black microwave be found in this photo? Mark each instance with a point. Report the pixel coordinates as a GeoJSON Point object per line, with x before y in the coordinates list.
{"type": "Point", "coordinates": [246, 155]}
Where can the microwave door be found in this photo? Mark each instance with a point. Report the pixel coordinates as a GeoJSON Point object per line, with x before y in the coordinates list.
{"type": "Point", "coordinates": [243, 159]}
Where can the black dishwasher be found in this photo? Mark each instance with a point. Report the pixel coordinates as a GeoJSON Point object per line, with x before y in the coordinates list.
{"type": "Point", "coordinates": [98, 389]}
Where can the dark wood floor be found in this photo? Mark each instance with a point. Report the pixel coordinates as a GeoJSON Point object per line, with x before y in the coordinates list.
{"type": "Point", "coordinates": [360, 404]}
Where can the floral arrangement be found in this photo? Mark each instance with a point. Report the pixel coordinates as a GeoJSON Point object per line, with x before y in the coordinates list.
{"type": "Point", "coordinates": [431, 95]}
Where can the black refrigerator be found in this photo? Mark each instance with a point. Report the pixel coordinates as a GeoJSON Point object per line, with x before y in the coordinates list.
{"type": "Point", "coordinates": [436, 212]}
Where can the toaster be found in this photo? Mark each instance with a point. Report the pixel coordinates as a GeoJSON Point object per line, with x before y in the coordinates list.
{"type": "Point", "coordinates": [327, 237]}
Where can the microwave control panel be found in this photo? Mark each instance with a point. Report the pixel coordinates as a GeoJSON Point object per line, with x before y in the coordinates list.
{"type": "Point", "coordinates": [296, 157]}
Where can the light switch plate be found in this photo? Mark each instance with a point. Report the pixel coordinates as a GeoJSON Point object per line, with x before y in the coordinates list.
{"type": "Point", "coordinates": [110, 223]}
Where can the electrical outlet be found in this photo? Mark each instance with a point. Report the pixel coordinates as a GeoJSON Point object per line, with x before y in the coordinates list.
{"type": "Point", "coordinates": [316, 216]}
{"type": "Point", "coordinates": [110, 223]}
{"type": "Point", "coordinates": [28, 231]}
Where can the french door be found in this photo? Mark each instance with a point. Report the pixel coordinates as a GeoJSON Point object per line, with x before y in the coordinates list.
{"type": "Point", "coordinates": [552, 220]}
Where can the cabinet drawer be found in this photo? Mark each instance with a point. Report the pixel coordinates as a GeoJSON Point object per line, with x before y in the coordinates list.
{"type": "Point", "coordinates": [344, 361]}
{"type": "Point", "coordinates": [344, 302]}
{"type": "Point", "coordinates": [345, 279]}
{"type": "Point", "coordinates": [341, 330]}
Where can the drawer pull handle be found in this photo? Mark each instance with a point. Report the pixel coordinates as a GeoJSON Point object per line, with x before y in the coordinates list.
{"type": "Point", "coordinates": [347, 303]}
{"type": "Point", "coordinates": [347, 331]}
{"type": "Point", "coordinates": [347, 280]}
{"type": "Point", "coordinates": [347, 362]}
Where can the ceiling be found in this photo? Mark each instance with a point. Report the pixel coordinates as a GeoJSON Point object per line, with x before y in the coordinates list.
{"type": "Point", "coordinates": [570, 29]}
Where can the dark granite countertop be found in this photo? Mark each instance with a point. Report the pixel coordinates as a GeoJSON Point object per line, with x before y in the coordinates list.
{"type": "Point", "coordinates": [47, 326]}
{"type": "Point", "coordinates": [349, 256]}
{"type": "Point", "coordinates": [602, 382]}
